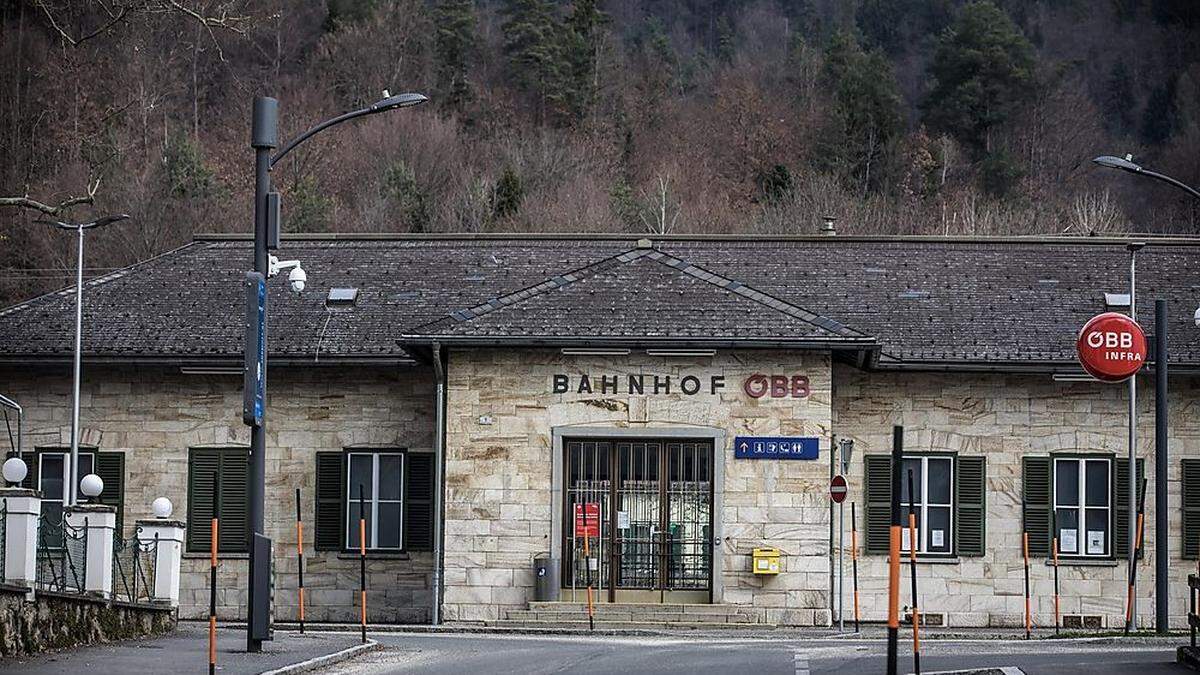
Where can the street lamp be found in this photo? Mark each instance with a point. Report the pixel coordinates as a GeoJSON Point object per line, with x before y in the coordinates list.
{"type": "Point", "coordinates": [1126, 163]}
{"type": "Point", "coordinates": [264, 136]}
{"type": "Point", "coordinates": [72, 492]}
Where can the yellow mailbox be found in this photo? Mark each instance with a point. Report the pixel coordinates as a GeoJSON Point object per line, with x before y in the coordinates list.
{"type": "Point", "coordinates": [766, 561]}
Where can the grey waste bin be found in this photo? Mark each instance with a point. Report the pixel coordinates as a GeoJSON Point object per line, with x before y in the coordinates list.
{"type": "Point", "coordinates": [546, 586]}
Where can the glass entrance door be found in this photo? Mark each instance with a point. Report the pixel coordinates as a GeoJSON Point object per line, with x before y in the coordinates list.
{"type": "Point", "coordinates": [644, 508]}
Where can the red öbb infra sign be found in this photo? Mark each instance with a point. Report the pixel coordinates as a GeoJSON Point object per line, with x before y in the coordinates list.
{"type": "Point", "coordinates": [1111, 347]}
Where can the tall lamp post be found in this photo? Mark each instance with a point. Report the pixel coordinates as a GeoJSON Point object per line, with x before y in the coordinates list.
{"type": "Point", "coordinates": [1161, 559]}
{"type": "Point", "coordinates": [264, 139]}
{"type": "Point", "coordinates": [71, 494]}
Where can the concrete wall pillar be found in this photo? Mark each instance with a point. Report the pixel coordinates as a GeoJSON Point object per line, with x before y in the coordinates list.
{"type": "Point", "coordinates": [167, 558]}
{"type": "Point", "coordinates": [101, 523]}
{"type": "Point", "coordinates": [22, 508]}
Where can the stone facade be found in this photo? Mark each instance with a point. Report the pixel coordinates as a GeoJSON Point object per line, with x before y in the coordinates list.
{"type": "Point", "coordinates": [503, 419]}
{"type": "Point", "coordinates": [502, 414]}
{"type": "Point", "coordinates": [1007, 417]}
{"type": "Point", "coordinates": [155, 415]}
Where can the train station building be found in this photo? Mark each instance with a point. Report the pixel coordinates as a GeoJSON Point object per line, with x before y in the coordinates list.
{"type": "Point", "coordinates": [673, 402]}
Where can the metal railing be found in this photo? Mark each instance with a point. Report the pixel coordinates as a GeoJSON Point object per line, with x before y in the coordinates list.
{"type": "Point", "coordinates": [133, 567]}
{"type": "Point", "coordinates": [3, 537]}
{"type": "Point", "coordinates": [61, 555]}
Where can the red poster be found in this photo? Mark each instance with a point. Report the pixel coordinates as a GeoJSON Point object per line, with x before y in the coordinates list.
{"type": "Point", "coordinates": [587, 523]}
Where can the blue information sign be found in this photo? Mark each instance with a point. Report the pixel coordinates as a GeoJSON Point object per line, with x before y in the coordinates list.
{"type": "Point", "coordinates": [776, 447]}
{"type": "Point", "coordinates": [254, 380]}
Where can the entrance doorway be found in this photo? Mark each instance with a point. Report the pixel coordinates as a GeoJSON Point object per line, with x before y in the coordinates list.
{"type": "Point", "coordinates": [646, 510]}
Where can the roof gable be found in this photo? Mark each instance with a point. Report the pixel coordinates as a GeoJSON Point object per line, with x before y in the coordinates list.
{"type": "Point", "coordinates": [640, 294]}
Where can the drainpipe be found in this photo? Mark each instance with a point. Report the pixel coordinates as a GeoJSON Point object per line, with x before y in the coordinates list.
{"type": "Point", "coordinates": [439, 448]}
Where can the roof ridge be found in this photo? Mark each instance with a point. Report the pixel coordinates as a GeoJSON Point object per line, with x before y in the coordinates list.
{"type": "Point", "coordinates": [751, 293]}
{"type": "Point", "coordinates": [534, 290]}
{"type": "Point", "coordinates": [101, 278]}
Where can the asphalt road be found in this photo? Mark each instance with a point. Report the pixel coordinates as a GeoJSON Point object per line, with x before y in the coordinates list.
{"type": "Point", "coordinates": [479, 654]}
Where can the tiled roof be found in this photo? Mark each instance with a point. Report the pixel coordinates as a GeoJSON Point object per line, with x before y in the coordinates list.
{"type": "Point", "coordinates": [924, 301]}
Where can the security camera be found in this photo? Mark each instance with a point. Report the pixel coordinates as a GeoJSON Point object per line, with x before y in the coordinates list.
{"type": "Point", "coordinates": [297, 277]}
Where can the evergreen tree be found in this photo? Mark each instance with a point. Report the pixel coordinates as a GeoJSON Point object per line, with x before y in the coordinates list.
{"type": "Point", "coordinates": [507, 195]}
{"type": "Point", "coordinates": [454, 40]}
{"type": "Point", "coordinates": [581, 44]}
{"type": "Point", "coordinates": [1118, 100]}
{"type": "Point", "coordinates": [866, 110]}
{"type": "Point", "coordinates": [725, 46]}
{"type": "Point", "coordinates": [1158, 120]}
{"type": "Point", "coordinates": [533, 47]}
{"type": "Point", "coordinates": [983, 70]}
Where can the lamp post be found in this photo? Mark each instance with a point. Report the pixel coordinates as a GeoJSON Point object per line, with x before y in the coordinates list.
{"type": "Point", "coordinates": [1161, 559]}
{"type": "Point", "coordinates": [264, 139]}
{"type": "Point", "coordinates": [72, 492]}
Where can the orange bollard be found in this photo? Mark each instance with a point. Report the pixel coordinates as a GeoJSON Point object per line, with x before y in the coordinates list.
{"type": "Point", "coordinates": [1028, 617]}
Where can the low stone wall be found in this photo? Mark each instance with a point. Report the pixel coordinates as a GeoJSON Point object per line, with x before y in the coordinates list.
{"type": "Point", "coordinates": [55, 621]}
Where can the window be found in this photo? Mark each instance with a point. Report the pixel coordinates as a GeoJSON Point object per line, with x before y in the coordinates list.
{"type": "Point", "coordinates": [53, 476]}
{"type": "Point", "coordinates": [1082, 513]}
{"type": "Point", "coordinates": [226, 470]}
{"type": "Point", "coordinates": [950, 503]}
{"type": "Point", "coordinates": [932, 481]}
{"type": "Point", "coordinates": [377, 478]}
{"type": "Point", "coordinates": [398, 491]}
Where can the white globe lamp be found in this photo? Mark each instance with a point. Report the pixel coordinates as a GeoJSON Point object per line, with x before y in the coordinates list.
{"type": "Point", "coordinates": [161, 507]}
{"type": "Point", "coordinates": [91, 486]}
{"type": "Point", "coordinates": [15, 470]}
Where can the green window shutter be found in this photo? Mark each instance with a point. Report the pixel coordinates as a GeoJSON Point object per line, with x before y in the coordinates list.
{"type": "Point", "coordinates": [418, 502]}
{"type": "Point", "coordinates": [1120, 498]}
{"type": "Point", "coordinates": [235, 518]}
{"type": "Point", "coordinates": [1191, 508]}
{"type": "Point", "coordinates": [110, 466]}
{"type": "Point", "coordinates": [329, 503]}
{"type": "Point", "coordinates": [204, 465]}
{"type": "Point", "coordinates": [970, 503]}
{"type": "Point", "coordinates": [877, 482]}
{"type": "Point", "coordinates": [30, 482]}
{"type": "Point", "coordinates": [1036, 504]}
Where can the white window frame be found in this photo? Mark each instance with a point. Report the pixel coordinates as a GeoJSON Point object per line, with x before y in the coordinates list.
{"type": "Point", "coordinates": [1081, 508]}
{"type": "Point", "coordinates": [923, 505]}
{"type": "Point", "coordinates": [351, 540]}
{"type": "Point", "coordinates": [66, 475]}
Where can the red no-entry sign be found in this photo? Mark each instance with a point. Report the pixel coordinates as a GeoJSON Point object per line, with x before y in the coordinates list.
{"type": "Point", "coordinates": [1111, 347]}
{"type": "Point", "coordinates": [838, 489]}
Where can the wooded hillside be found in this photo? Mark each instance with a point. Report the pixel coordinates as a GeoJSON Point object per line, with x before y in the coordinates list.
{"type": "Point", "coordinates": [894, 116]}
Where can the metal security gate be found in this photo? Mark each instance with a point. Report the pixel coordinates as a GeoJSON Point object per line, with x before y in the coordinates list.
{"type": "Point", "coordinates": [646, 508]}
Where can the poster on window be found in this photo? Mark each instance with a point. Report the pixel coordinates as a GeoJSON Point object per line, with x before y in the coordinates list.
{"type": "Point", "coordinates": [938, 538]}
{"type": "Point", "coordinates": [1067, 542]}
{"type": "Point", "coordinates": [1095, 542]}
{"type": "Point", "coordinates": [905, 541]}
{"type": "Point", "coordinates": [587, 520]}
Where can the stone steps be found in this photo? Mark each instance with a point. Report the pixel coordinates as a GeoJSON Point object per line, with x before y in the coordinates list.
{"type": "Point", "coordinates": [626, 615]}
{"type": "Point", "coordinates": [582, 624]}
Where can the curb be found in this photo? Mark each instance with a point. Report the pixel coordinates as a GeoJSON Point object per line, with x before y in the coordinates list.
{"type": "Point", "coordinates": [773, 633]}
{"type": "Point", "coordinates": [326, 660]}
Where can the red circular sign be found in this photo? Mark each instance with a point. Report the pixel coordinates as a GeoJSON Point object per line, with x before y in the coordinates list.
{"type": "Point", "coordinates": [838, 489]}
{"type": "Point", "coordinates": [1111, 347]}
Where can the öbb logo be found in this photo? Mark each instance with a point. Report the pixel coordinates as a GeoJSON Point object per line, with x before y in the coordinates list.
{"type": "Point", "coordinates": [1111, 347]}
{"type": "Point", "coordinates": [1110, 340]}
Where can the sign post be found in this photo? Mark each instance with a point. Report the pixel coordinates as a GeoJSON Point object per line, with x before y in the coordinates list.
{"type": "Point", "coordinates": [837, 493]}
